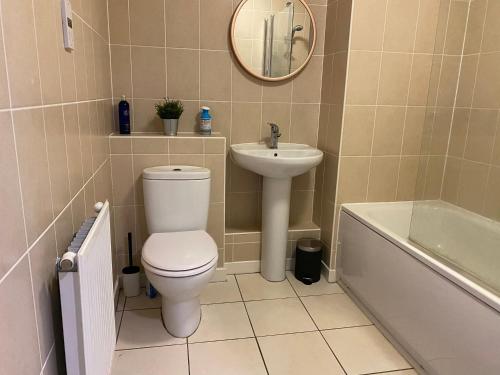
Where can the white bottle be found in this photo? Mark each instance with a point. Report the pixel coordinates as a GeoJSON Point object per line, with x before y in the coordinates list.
{"type": "Point", "coordinates": [205, 121]}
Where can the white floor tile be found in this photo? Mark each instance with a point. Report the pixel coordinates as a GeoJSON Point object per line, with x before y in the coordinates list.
{"type": "Point", "coordinates": [221, 322]}
{"type": "Point", "coordinates": [231, 357]}
{"type": "Point", "coordinates": [165, 360]}
{"type": "Point", "coordinates": [142, 301]}
{"type": "Point", "coordinates": [219, 292]}
{"type": "Point", "coordinates": [143, 328]}
{"type": "Point", "coordinates": [334, 311]}
{"type": "Point", "coordinates": [318, 288]}
{"type": "Point", "coordinates": [270, 317]}
{"type": "Point", "coordinates": [402, 372]}
{"type": "Point", "coordinates": [254, 287]}
{"type": "Point", "coordinates": [298, 354]}
{"type": "Point", "coordinates": [363, 350]}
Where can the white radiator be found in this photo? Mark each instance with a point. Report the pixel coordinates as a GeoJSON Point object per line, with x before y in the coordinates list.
{"type": "Point", "coordinates": [86, 287]}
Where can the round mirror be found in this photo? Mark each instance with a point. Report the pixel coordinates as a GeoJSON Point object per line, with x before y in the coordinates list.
{"type": "Point", "coordinates": [273, 39]}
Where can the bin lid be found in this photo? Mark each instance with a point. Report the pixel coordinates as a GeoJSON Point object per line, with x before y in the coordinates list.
{"type": "Point", "coordinates": [309, 245]}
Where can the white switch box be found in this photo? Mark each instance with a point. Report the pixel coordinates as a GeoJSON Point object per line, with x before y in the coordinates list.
{"type": "Point", "coordinates": [67, 24]}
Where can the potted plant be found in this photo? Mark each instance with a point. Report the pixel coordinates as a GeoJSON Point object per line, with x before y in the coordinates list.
{"type": "Point", "coordinates": [169, 111]}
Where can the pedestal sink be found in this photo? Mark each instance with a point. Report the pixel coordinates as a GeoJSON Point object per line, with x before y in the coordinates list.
{"type": "Point", "coordinates": [277, 166]}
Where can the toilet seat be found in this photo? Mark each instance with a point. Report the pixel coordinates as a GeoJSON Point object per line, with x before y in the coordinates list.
{"type": "Point", "coordinates": [179, 254]}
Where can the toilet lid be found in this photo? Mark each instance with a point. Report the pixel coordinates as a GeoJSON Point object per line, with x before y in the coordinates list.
{"type": "Point", "coordinates": [179, 251]}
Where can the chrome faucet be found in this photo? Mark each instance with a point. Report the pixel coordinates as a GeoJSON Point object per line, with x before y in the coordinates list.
{"type": "Point", "coordinates": [275, 134]}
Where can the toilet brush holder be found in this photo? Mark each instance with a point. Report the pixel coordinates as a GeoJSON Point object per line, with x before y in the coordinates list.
{"type": "Point", "coordinates": [131, 281]}
{"type": "Point", "coordinates": [131, 274]}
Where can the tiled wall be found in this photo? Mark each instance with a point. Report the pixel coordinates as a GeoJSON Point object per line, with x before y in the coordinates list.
{"type": "Point", "coordinates": [472, 175]}
{"type": "Point", "coordinates": [331, 113]}
{"type": "Point", "coordinates": [180, 48]}
{"type": "Point", "coordinates": [55, 115]}
{"type": "Point", "coordinates": [130, 155]}
{"type": "Point", "coordinates": [396, 115]}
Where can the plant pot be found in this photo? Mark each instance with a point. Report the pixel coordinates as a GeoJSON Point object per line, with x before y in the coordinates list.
{"type": "Point", "coordinates": [170, 126]}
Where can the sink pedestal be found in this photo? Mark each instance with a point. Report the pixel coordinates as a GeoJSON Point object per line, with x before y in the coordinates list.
{"type": "Point", "coordinates": [275, 218]}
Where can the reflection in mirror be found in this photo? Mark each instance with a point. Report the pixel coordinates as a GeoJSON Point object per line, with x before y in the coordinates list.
{"type": "Point", "coordinates": [273, 39]}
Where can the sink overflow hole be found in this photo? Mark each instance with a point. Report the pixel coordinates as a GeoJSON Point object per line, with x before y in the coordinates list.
{"type": "Point", "coordinates": [275, 154]}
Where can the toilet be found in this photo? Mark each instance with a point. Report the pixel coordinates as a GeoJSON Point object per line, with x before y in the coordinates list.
{"type": "Point", "coordinates": [179, 256]}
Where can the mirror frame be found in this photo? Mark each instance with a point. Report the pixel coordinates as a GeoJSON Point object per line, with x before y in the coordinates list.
{"type": "Point", "coordinates": [261, 77]}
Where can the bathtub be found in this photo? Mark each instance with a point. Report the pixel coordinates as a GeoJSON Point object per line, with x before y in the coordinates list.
{"type": "Point", "coordinates": [435, 293]}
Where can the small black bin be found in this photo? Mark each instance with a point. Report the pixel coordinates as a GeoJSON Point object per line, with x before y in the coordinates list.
{"type": "Point", "coordinates": [308, 260]}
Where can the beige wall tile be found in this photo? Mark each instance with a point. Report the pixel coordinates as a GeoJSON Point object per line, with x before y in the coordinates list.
{"type": "Point", "coordinates": [78, 209]}
{"type": "Point", "coordinates": [280, 91]}
{"type": "Point", "coordinates": [147, 23]}
{"type": "Point", "coordinates": [363, 75]}
{"type": "Point", "coordinates": [434, 177]}
{"type": "Point", "coordinates": [242, 180]}
{"type": "Point", "coordinates": [64, 230]}
{"type": "Point", "coordinates": [123, 179]}
{"type": "Point", "coordinates": [472, 185]}
{"type": "Point", "coordinates": [20, 46]}
{"type": "Point", "coordinates": [407, 178]}
{"type": "Point", "coordinates": [34, 171]}
{"type": "Point", "coordinates": [451, 180]}
{"type": "Point", "coordinates": [245, 87]}
{"type": "Point", "coordinates": [304, 124]}
{"type": "Point", "coordinates": [491, 34]}
{"type": "Point", "coordinates": [330, 177]}
{"type": "Point", "coordinates": [246, 119]}
{"type": "Point", "coordinates": [118, 21]}
{"type": "Point", "coordinates": [426, 27]}
{"type": "Point", "coordinates": [19, 321]}
{"type": "Point", "coordinates": [246, 251]}
{"type": "Point", "coordinates": [400, 26]}
{"type": "Point", "coordinates": [186, 145]}
{"type": "Point", "coordinates": [13, 244]}
{"type": "Point", "coordinates": [183, 73]}
{"type": "Point", "coordinates": [46, 296]}
{"type": "Point", "coordinates": [45, 22]}
{"type": "Point", "coordinates": [467, 80]}
{"type": "Point", "coordinates": [413, 130]}
{"type": "Point", "coordinates": [4, 92]}
{"type": "Point", "coordinates": [474, 34]}
{"type": "Point", "coordinates": [491, 206]}
{"type": "Point", "coordinates": [441, 131]}
{"type": "Point", "coordinates": [148, 72]}
{"type": "Point", "coordinates": [216, 223]}
{"type": "Point", "coordinates": [481, 135]}
{"type": "Point", "coordinates": [487, 92]}
{"type": "Point", "coordinates": [358, 130]}
{"type": "Point", "coordinates": [368, 25]}
{"type": "Point", "coordinates": [190, 119]}
{"type": "Point", "coordinates": [353, 179]}
{"type": "Point", "coordinates": [150, 145]}
{"type": "Point", "coordinates": [124, 222]}
{"type": "Point", "coordinates": [144, 116]}
{"type": "Point", "coordinates": [214, 145]}
{"type": "Point", "coordinates": [244, 210]}
{"type": "Point", "coordinates": [394, 78]}
{"type": "Point", "coordinates": [73, 148]}
{"type": "Point", "coordinates": [82, 92]}
{"type": "Point", "coordinates": [214, 24]}
{"type": "Point", "coordinates": [216, 165]}
{"type": "Point", "coordinates": [448, 81]}
{"type": "Point", "coordinates": [58, 163]}
{"type": "Point", "coordinates": [343, 25]}
{"type": "Point", "coordinates": [388, 133]}
{"type": "Point", "coordinates": [301, 206]}
{"type": "Point", "coordinates": [441, 26]}
{"type": "Point", "coordinates": [420, 76]}
{"type": "Point", "coordinates": [182, 19]}
{"type": "Point", "coordinates": [459, 132]}
{"type": "Point", "coordinates": [382, 185]}
{"type": "Point", "coordinates": [215, 75]}
{"type": "Point", "coordinates": [122, 73]}
{"type": "Point", "coordinates": [83, 111]}
{"type": "Point", "coordinates": [457, 20]}
{"type": "Point", "coordinates": [307, 85]}
{"type": "Point", "coordinates": [120, 145]}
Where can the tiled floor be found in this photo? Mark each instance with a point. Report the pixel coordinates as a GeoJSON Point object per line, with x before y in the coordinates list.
{"type": "Point", "coordinates": [250, 327]}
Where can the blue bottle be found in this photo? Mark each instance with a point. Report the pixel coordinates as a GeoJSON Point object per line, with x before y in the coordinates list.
{"type": "Point", "coordinates": [205, 121]}
{"type": "Point", "coordinates": [124, 116]}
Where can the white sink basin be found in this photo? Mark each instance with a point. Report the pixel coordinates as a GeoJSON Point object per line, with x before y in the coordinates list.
{"type": "Point", "coordinates": [278, 166]}
{"type": "Point", "coordinates": [288, 160]}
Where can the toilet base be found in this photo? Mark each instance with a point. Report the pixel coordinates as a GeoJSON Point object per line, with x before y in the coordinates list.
{"type": "Point", "coordinates": [181, 318]}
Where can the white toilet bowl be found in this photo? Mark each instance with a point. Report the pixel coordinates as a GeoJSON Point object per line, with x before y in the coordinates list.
{"type": "Point", "coordinates": [180, 265]}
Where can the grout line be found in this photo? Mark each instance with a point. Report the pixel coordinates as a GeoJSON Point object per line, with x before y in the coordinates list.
{"type": "Point", "coordinates": [52, 348]}
{"type": "Point", "coordinates": [35, 313]}
{"type": "Point", "coordinates": [387, 372]}
{"type": "Point", "coordinates": [251, 325]}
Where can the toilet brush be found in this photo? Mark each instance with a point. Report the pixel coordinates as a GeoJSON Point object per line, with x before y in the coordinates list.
{"type": "Point", "coordinates": [131, 282]}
